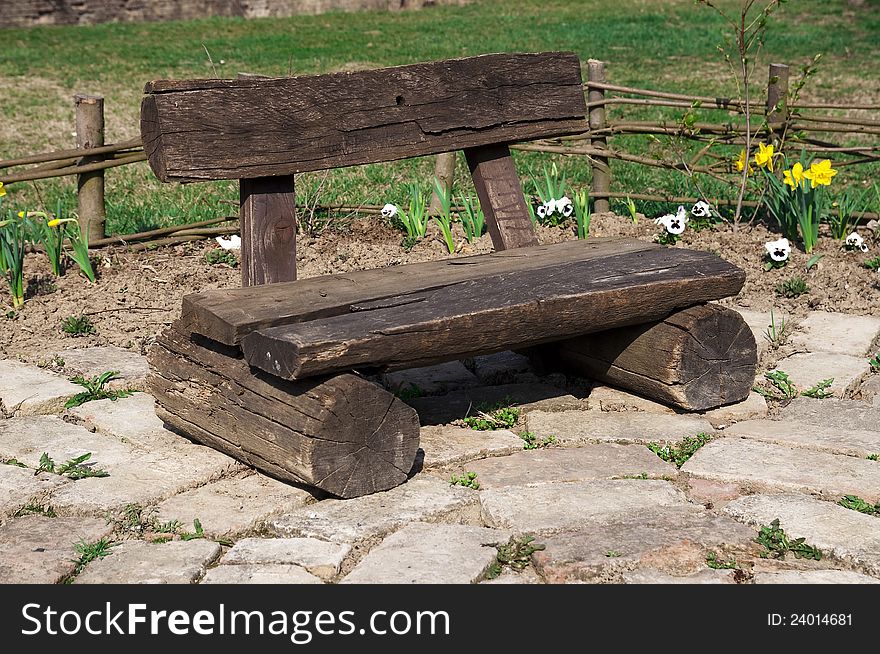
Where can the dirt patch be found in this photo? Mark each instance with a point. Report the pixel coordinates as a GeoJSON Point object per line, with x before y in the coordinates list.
{"type": "Point", "coordinates": [139, 293]}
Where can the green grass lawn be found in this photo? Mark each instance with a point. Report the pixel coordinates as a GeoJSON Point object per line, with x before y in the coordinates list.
{"type": "Point", "coordinates": [663, 44]}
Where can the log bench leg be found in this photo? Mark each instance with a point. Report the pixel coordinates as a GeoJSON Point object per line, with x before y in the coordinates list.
{"type": "Point", "coordinates": [343, 434]}
{"type": "Point", "coordinates": [695, 359]}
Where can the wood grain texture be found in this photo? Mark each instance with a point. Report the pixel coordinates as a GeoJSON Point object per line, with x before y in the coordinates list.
{"type": "Point", "coordinates": [343, 434]}
{"type": "Point", "coordinates": [227, 315]}
{"type": "Point", "coordinates": [501, 196]}
{"type": "Point", "coordinates": [244, 128]}
{"type": "Point", "coordinates": [268, 230]}
{"type": "Point", "coordinates": [508, 310]}
{"type": "Point", "coordinates": [696, 359]}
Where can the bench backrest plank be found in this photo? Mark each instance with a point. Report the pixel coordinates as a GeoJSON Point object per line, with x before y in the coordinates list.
{"type": "Point", "coordinates": [256, 127]}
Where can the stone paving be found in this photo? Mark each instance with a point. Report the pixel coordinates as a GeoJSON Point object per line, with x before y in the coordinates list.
{"type": "Point", "coordinates": [589, 503]}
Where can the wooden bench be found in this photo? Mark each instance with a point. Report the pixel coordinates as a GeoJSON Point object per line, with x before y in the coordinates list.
{"type": "Point", "coordinates": [274, 373]}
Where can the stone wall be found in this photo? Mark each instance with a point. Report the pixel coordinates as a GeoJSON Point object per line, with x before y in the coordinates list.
{"type": "Point", "coordinates": [26, 13]}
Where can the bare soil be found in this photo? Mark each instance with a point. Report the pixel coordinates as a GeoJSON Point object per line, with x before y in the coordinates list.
{"type": "Point", "coordinates": [138, 293]}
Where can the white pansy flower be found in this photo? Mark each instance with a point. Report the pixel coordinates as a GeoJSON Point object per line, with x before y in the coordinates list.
{"type": "Point", "coordinates": [856, 242]}
{"type": "Point", "coordinates": [673, 223]}
{"type": "Point", "coordinates": [681, 215]}
{"type": "Point", "coordinates": [778, 250]}
{"type": "Point", "coordinates": [389, 211]}
{"type": "Point", "coordinates": [701, 209]}
{"type": "Point", "coordinates": [542, 211]}
{"type": "Point", "coordinates": [564, 206]}
{"type": "Point", "coordinates": [231, 243]}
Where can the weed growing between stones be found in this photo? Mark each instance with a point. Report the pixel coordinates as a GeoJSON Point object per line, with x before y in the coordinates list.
{"type": "Point", "coordinates": [468, 480]}
{"type": "Point", "coordinates": [776, 333]}
{"type": "Point", "coordinates": [785, 388]}
{"type": "Point", "coordinates": [95, 390]}
{"type": "Point", "coordinates": [491, 418]}
{"type": "Point", "coordinates": [681, 452]}
{"type": "Point", "coordinates": [532, 442]}
{"type": "Point", "coordinates": [515, 554]}
{"type": "Point", "coordinates": [856, 503]}
{"type": "Point", "coordinates": [873, 457]}
{"type": "Point", "coordinates": [13, 462]}
{"type": "Point", "coordinates": [32, 508]}
{"type": "Point", "coordinates": [88, 552]}
{"type": "Point", "coordinates": [72, 468]}
{"type": "Point", "coordinates": [777, 544]}
{"type": "Point", "coordinates": [716, 563]}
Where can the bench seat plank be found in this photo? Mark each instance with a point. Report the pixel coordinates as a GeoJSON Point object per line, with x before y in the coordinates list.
{"type": "Point", "coordinates": [255, 127]}
{"type": "Point", "coordinates": [505, 311]}
{"type": "Point", "coordinates": [227, 315]}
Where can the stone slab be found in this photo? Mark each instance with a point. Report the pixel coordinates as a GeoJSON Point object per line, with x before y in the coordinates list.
{"type": "Point", "coordinates": [763, 465]}
{"type": "Point", "coordinates": [712, 494]}
{"type": "Point", "coordinates": [625, 427]}
{"type": "Point", "coordinates": [19, 486]}
{"type": "Point", "coordinates": [232, 506]}
{"type": "Point", "coordinates": [838, 333]}
{"type": "Point", "coordinates": [431, 380]}
{"type": "Point", "coordinates": [443, 445]}
{"type": "Point", "coordinates": [509, 576]}
{"type": "Point", "coordinates": [422, 553]}
{"type": "Point", "coordinates": [753, 407]}
{"type": "Point", "coordinates": [869, 390]}
{"type": "Point", "coordinates": [39, 550]}
{"type": "Point", "coordinates": [672, 539]}
{"type": "Point", "coordinates": [852, 442]}
{"type": "Point", "coordinates": [250, 573]}
{"type": "Point", "coordinates": [137, 562]}
{"type": "Point", "coordinates": [651, 576]}
{"type": "Point", "coordinates": [320, 557]}
{"type": "Point", "coordinates": [610, 399]}
{"type": "Point", "coordinates": [131, 367]}
{"type": "Point", "coordinates": [27, 438]}
{"type": "Point", "coordinates": [444, 409]}
{"type": "Point", "coordinates": [838, 532]}
{"type": "Point", "coordinates": [27, 390]}
{"type": "Point", "coordinates": [130, 418]}
{"type": "Point", "coordinates": [421, 499]}
{"type": "Point", "coordinates": [567, 506]}
{"type": "Point", "coordinates": [500, 368]}
{"type": "Point", "coordinates": [833, 412]}
{"type": "Point", "coordinates": [148, 479]}
{"type": "Point", "coordinates": [806, 369]}
{"type": "Point", "coordinates": [589, 462]}
{"type": "Point", "coordinates": [814, 577]}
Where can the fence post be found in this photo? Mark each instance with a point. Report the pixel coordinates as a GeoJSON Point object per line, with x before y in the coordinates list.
{"type": "Point", "coordinates": [601, 169]}
{"type": "Point", "coordinates": [444, 171]}
{"type": "Point", "coordinates": [90, 186]}
{"type": "Point", "coordinates": [777, 98]}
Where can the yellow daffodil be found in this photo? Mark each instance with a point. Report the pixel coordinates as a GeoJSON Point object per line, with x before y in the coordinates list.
{"type": "Point", "coordinates": [820, 173]}
{"type": "Point", "coordinates": [2, 190]}
{"type": "Point", "coordinates": [741, 162]}
{"type": "Point", "coordinates": [795, 176]}
{"type": "Point", "coordinates": [21, 214]}
{"type": "Point", "coordinates": [54, 222]}
{"type": "Point", "coordinates": [764, 156]}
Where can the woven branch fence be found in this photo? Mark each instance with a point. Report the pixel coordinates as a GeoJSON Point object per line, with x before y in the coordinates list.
{"type": "Point", "coordinates": [775, 118]}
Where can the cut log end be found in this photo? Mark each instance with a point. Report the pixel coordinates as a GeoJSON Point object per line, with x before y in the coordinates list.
{"type": "Point", "coordinates": [696, 359]}
{"type": "Point", "coordinates": [342, 434]}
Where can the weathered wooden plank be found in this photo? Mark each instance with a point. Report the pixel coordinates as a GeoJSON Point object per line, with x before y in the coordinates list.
{"type": "Point", "coordinates": [696, 359]}
{"type": "Point", "coordinates": [343, 434]}
{"type": "Point", "coordinates": [501, 196]}
{"type": "Point", "coordinates": [508, 310]}
{"type": "Point", "coordinates": [268, 230]}
{"type": "Point", "coordinates": [244, 128]}
{"type": "Point", "coordinates": [227, 315]}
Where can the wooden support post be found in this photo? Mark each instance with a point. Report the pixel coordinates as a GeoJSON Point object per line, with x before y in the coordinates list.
{"type": "Point", "coordinates": [695, 359]}
{"type": "Point", "coordinates": [777, 97]}
{"type": "Point", "coordinates": [345, 434]}
{"type": "Point", "coordinates": [444, 171]}
{"type": "Point", "coordinates": [601, 168]}
{"type": "Point", "coordinates": [268, 230]}
{"type": "Point", "coordinates": [501, 196]}
{"type": "Point", "coordinates": [90, 186]}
